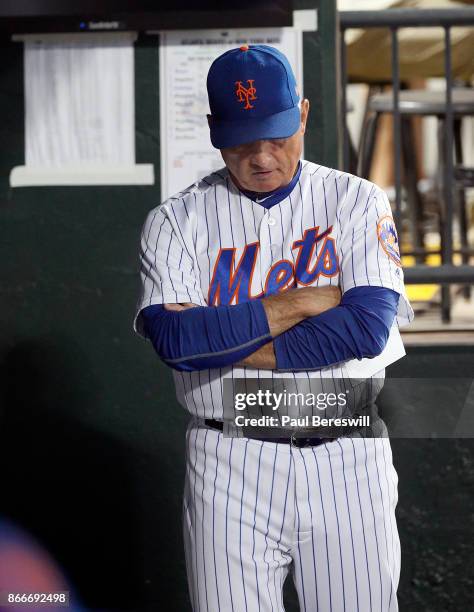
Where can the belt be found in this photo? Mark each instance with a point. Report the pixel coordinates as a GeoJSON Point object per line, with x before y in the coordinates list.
{"type": "Point", "coordinates": [293, 440]}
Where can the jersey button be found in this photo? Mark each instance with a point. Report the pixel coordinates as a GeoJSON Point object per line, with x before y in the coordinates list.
{"type": "Point", "coordinates": [271, 221]}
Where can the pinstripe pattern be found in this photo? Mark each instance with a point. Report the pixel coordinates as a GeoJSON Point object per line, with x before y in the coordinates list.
{"type": "Point", "coordinates": [254, 512]}
{"type": "Point", "coordinates": [181, 240]}
{"type": "Point", "coordinates": [266, 510]}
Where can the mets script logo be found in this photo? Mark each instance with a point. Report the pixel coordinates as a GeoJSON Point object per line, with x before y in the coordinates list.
{"type": "Point", "coordinates": [244, 94]}
{"type": "Point", "coordinates": [388, 238]}
{"type": "Point", "coordinates": [232, 283]}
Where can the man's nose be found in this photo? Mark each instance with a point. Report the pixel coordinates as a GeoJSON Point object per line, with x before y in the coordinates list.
{"type": "Point", "coordinates": [261, 153]}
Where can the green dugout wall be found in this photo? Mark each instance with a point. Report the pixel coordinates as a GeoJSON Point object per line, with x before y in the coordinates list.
{"type": "Point", "coordinates": [91, 436]}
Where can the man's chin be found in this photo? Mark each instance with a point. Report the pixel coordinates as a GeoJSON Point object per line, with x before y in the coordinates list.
{"type": "Point", "coordinates": [265, 183]}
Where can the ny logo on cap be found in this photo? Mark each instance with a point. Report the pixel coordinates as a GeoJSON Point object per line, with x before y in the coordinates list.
{"type": "Point", "coordinates": [244, 94]}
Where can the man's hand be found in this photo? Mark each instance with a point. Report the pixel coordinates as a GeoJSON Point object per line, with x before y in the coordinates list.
{"type": "Point", "coordinates": [179, 307]}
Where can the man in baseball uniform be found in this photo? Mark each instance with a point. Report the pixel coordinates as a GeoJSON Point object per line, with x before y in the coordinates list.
{"type": "Point", "coordinates": [276, 268]}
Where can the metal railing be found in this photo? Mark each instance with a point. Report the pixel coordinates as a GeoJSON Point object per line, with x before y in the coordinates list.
{"type": "Point", "coordinates": [394, 19]}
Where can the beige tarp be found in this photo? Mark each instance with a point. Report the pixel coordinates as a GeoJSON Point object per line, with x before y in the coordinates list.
{"type": "Point", "coordinates": [421, 50]}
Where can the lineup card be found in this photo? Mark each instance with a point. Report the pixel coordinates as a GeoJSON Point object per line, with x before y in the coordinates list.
{"type": "Point", "coordinates": [185, 57]}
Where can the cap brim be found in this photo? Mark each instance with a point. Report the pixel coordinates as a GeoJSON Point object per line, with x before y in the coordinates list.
{"type": "Point", "coordinates": [232, 133]}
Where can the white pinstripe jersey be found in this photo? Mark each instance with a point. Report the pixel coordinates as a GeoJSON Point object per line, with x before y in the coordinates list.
{"type": "Point", "coordinates": [210, 245]}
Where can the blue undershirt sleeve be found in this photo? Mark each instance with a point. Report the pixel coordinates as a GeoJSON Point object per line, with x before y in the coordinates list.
{"type": "Point", "coordinates": [206, 337]}
{"type": "Point", "coordinates": [359, 327]}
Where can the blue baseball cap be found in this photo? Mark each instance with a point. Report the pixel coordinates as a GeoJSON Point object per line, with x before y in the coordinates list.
{"type": "Point", "coordinates": [252, 96]}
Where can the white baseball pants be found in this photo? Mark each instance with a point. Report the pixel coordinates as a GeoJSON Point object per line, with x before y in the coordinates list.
{"type": "Point", "coordinates": [253, 511]}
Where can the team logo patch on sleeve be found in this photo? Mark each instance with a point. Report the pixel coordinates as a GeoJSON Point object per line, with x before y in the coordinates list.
{"type": "Point", "coordinates": [388, 238]}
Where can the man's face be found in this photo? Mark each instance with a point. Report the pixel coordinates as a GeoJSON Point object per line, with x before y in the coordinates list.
{"type": "Point", "coordinates": [265, 165]}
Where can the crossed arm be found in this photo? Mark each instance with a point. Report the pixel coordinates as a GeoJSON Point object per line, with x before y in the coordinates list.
{"type": "Point", "coordinates": [308, 328]}
{"type": "Point", "coordinates": [283, 311]}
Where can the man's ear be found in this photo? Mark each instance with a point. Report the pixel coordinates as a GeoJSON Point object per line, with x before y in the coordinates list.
{"type": "Point", "coordinates": [304, 114]}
